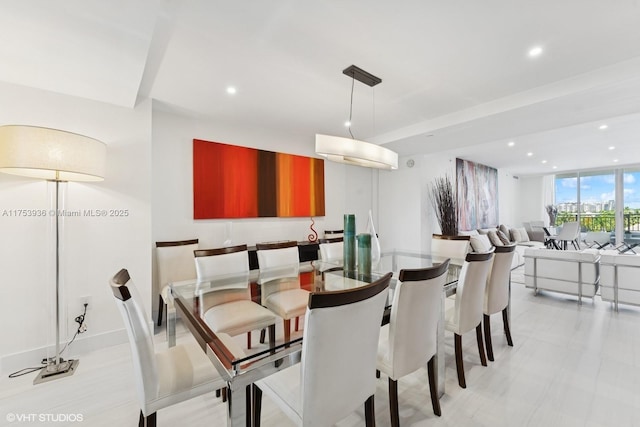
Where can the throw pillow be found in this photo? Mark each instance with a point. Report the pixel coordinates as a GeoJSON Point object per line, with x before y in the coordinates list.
{"type": "Point", "coordinates": [480, 243]}
{"type": "Point", "coordinates": [505, 230]}
{"type": "Point", "coordinates": [483, 231]}
{"type": "Point", "coordinates": [523, 234]}
{"type": "Point", "coordinates": [468, 233]}
{"type": "Point", "coordinates": [493, 236]}
{"type": "Point", "coordinates": [503, 237]}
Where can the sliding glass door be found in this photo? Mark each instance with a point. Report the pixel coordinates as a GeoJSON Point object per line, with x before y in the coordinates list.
{"type": "Point", "coordinates": [591, 198]}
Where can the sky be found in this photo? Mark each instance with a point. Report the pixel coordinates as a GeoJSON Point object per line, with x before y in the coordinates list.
{"type": "Point", "coordinates": [599, 188]}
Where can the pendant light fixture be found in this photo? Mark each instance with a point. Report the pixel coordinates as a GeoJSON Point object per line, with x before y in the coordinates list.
{"type": "Point", "coordinates": [350, 150]}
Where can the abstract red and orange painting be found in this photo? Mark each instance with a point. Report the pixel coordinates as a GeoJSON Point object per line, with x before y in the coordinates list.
{"type": "Point", "coordinates": [239, 182]}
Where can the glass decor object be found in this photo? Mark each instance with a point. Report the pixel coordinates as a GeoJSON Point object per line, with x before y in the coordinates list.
{"type": "Point", "coordinates": [349, 242]}
{"type": "Point", "coordinates": [364, 253]}
{"type": "Point", "coordinates": [375, 243]}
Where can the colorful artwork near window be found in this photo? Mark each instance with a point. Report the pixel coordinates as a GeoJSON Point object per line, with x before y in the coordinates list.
{"type": "Point", "coordinates": [239, 182]}
{"type": "Point", "coordinates": [477, 195]}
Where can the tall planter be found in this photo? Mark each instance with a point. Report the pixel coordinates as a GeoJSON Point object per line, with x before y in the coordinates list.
{"type": "Point", "coordinates": [443, 200]}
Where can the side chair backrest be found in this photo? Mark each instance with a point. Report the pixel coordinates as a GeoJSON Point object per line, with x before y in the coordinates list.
{"type": "Point", "coordinates": [496, 296]}
{"type": "Point", "coordinates": [221, 261]}
{"type": "Point", "coordinates": [175, 261]}
{"type": "Point", "coordinates": [570, 231]}
{"type": "Point", "coordinates": [332, 251]}
{"type": "Point", "coordinates": [140, 338]}
{"type": "Point", "coordinates": [415, 312]}
{"type": "Point", "coordinates": [279, 265]}
{"type": "Point", "coordinates": [454, 247]}
{"type": "Point", "coordinates": [332, 234]}
{"type": "Point", "coordinates": [470, 291]}
{"type": "Point", "coordinates": [338, 362]}
{"type": "Point", "coordinates": [229, 261]}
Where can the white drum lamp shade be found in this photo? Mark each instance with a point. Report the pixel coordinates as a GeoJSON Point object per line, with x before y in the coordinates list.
{"type": "Point", "coordinates": [355, 152]}
{"type": "Point", "coordinates": [51, 154]}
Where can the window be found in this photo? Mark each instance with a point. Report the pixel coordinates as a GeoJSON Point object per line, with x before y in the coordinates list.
{"type": "Point", "coordinates": [590, 197]}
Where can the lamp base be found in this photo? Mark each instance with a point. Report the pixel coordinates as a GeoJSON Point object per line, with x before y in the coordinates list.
{"type": "Point", "coordinates": [53, 372]}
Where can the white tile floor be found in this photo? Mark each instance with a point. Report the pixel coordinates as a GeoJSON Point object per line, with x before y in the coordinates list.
{"type": "Point", "coordinates": [570, 366]}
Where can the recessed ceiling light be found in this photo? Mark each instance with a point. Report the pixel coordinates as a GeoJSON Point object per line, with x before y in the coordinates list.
{"type": "Point", "coordinates": [615, 160]}
{"type": "Point", "coordinates": [603, 127]}
{"type": "Point", "coordinates": [231, 90]}
{"type": "Point", "coordinates": [612, 148]}
{"type": "Point", "coordinates": [555, 167]}
{"type": "Point", "coordinates": [511, 143]}
{"type": "Point", "coordinates": [347, 123]}
{"type": "Point", "coordinates": [529, 154]}
{"type": "Point", "coordinates": [544, 161]}
{"type": "Point", "coordinates": [535, 51]}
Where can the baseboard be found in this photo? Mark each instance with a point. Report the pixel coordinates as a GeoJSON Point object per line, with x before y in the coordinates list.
{"type": "Point", "coordinates": [13, 362]}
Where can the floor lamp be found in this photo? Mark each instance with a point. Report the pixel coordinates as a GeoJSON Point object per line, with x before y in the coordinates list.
{"type": "Point", "coordinates": [56, 156]}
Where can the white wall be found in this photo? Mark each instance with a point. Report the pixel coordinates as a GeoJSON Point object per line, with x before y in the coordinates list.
{"type": "Point", "coordinates": [95, 248]}
{"type": "Point", "coordinates": [407, 220]}
{"type": "Point", "coordinates": [530, 201]}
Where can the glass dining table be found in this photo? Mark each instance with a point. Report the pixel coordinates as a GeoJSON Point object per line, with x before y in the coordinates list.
{"type": "Point", "coordinates": [241, 370]}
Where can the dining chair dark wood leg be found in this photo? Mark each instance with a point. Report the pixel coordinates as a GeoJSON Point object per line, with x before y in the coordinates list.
{"type": "Point", "coordinates": [483, 358]}
{"type": "Point", "coordinates": [218, 392]}
{"type": "Point", "coordinates": [369, 412]}
{"type": "Point", "coordinates": [249, 340]}
{"type": "Point", "coordinates": [272, 337]}
{"type": "Point", "coordinates": [507, 329]}
{"type": "Point", "coordinates": [262, 336]}
{"type": "Point", "coordinates": [257, 405]}
{"type": "Point", "coordinates": [378, 373]}
{"type": "Point", "coordinates": [435, 400]}
{"type": "Point", "coordinates": [148, 421]}
{"type": "Point", "coordinates": [160, 309]}
{"type": "Point", "coordinates": [287, 331]}
{"type": "Point", "coordinates": [224, 394]}
{"type": "Point", "coordinates": [297, 324]}
{"type": "Point", "coordinates": [249, 406]}
{"type": "Point", "coordinates": [486, 321]}
{"type": "Point", "coordinates": [393, 403]}
{"type": "Point", "coordinates": [459, 363]}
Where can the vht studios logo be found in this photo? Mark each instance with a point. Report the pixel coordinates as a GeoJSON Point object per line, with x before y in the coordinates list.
{"type": "Point", "coordinates": [44, 418]}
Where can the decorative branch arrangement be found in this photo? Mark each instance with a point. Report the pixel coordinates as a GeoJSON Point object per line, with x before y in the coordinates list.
{"type": "Point", "coordinates": [443, 199]}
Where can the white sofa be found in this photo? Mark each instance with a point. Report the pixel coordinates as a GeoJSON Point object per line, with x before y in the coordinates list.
{"type": "Point", "coordinates": [620, 278]}
{"type": "Point", "coordinates": [514, 238]}
{"type": "Point", "coordinates": [568, 272]}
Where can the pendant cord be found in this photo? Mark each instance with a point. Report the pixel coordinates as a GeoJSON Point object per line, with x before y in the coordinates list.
{"type": "Point", "coordinates": [353, 81]}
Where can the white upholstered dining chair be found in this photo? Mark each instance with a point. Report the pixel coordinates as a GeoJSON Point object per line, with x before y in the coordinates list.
{"type": "Point", "coordinates": [336, 374]}
{"type": "Point", "coordinates": [570, 233]}
{"type": "Point", "coordinates": [280, 290]}
{"type": "Point", "coordinates": [167, 377]}
{"type": "Point", "coordinates": [231, 310]}
{"type": "Point", "coordinates": [496, 296]}
{"type": "Point", "coordinates": [410, 338]}
{"type": "Point", "coordinates": [175, 263]}
{"type": "Point", "coordinates": [464, 313]}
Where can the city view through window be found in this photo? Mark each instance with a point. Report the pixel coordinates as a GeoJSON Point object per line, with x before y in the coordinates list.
{"type": "Point", "coordinates": [597, 204]}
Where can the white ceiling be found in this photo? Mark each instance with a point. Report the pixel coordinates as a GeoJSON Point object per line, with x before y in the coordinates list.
{"type": "Point", "coordinates": [455, 74]}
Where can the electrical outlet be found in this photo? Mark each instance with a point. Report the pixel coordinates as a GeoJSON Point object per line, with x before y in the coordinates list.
{"type": "Point", "coordinates": [86, 300]}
